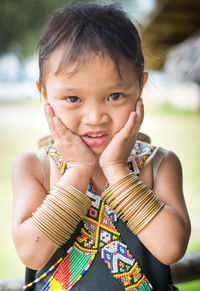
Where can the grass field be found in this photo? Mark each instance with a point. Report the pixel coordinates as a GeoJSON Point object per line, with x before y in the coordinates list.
{"type": "Point", "coordinates": [22, 125]}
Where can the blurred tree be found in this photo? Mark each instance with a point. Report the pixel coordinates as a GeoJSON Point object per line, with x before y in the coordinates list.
{"type": "Point", "coordinates": [21, 22]}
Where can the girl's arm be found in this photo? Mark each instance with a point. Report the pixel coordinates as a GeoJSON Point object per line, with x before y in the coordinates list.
{"type": "Point", "coordinates": [33, 248]}
{"type": "Point", "coordinates": [167, 234]}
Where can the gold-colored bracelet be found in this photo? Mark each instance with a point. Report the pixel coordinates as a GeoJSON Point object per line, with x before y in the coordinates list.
{"type": "Point", "coordinates": [130, 199]}
{"type": "Point", "coordinates": [46, 217]}
{"type": "Point", "coordinates": [62, 210]}
{"type": "Point", "coordinates": [45, 232]}
{"type": "Point", "coordinates": [142, 211]}
{"type": "Point", "coordinates": [61, 217]}
{"type": "Point", "coordinates": [130, 188]}
{"type": "Point", "coordinates": [68, 197]}
{"type": "Point", "coordinates": [117, 195]}
{"type": "Point", "coordinates": [133, 202]}
{"type": "Point", "coordinates": [47, 222]}
{"type": "Point", "coordinates": [153, 213]}
{"type": "Point", "coordinates": [53, 209]}
{"type": "Point", "coordinates": [82, 197]}
{"type": "Point", "coordinates": [112, 189]}
{"type": "Point", "coordinates": [60, 213]}
{"type": "Point", "coordinates": [133, 207]}
{"type": "Point", "coordinates": [42, 228]}
{"type": "Point", "coordinates": [64, 200]}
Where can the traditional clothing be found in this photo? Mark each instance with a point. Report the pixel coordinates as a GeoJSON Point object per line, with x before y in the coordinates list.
{"type": "Point", "coordinates": [102, 254]}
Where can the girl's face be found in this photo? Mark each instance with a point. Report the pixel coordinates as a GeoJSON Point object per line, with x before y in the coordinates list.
{"type": "Point", "coordinates": [93, 102]}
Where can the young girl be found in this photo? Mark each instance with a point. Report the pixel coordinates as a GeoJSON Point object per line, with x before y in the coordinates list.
{"type": "Point", "coordinates": [96, 209]}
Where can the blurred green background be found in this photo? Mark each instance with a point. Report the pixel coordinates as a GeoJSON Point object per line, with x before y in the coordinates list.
{"type": "Point", "coordinates": [172, 117]}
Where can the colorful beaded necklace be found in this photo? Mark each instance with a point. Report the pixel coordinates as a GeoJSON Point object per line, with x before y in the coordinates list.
{"type": "Point", "coordinates": [99, 234]}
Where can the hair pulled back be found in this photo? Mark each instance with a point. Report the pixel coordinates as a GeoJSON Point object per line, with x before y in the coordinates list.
{"type": "Point", "coordinates": [85, 29]}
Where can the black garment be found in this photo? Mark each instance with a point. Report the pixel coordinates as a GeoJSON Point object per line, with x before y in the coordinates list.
{"type": "Point", "coordinates": [98, 277]}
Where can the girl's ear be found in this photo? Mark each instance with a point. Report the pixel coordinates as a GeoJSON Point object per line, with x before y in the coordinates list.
{"type": "Point", "coordinates": [145, 78]}
{"type": "Point", "coordinates": [42, 91]}
{"type": "Point", "coordinates": [38, 86]}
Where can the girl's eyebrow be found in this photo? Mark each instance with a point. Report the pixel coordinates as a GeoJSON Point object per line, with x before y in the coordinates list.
{"type": "Point", "coordinates": [65, 88]}
{"type": "Point", "coordinates": [117, 85]}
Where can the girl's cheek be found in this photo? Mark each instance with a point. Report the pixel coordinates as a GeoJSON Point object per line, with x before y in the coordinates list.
{"type": "Point", "coordinates": [70, 121]}
{"type": "Point", "coordinates": [123, 117]}
{"type": "Point", "coordinates": [120, 122]}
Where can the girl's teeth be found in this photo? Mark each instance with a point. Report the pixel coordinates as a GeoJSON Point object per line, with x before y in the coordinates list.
{"type": "Point", "coordinates": [94, 135]}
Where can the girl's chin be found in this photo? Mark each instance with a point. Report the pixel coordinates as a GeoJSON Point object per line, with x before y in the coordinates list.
{"type": "Point", "coordinates": [97, 151]}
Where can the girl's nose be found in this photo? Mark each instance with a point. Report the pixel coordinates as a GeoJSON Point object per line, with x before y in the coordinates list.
{"type": "Point", "coordinates": [96, 116]}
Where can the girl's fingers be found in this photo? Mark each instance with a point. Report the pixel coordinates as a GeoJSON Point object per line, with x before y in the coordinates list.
{"type": "Point", "coordinates": [59, 126]}
{"type": "Point", "coordinates": [62, 131]}
{"type": "Point", "coordinates": [49, 116]}
{"type": "Point", "coordinates": [128, 127]}
{"type": "Point", "coordinates": [139, 114]}
{"type": "Point", "coordinates": [134, 121]}
{"type": "Point", "coordinates": [140, 110]}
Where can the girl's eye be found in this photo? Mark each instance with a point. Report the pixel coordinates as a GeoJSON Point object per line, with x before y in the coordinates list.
{"type": "Point", "coordinates": [114, 96]}
{"type": "Point", "coordinates": [73, 99]}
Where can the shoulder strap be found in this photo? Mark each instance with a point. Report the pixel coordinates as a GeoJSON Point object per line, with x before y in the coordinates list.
{"type": "Point", "coordinates": [44, 160]}
{"type": "Point", "coordinates": [157, 160]}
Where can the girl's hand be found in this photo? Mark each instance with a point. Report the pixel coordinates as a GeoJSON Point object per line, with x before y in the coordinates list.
{"type": "Point", "coordinates": [71, 147]}
{"type": "Point", "coordinates": [116, 153]}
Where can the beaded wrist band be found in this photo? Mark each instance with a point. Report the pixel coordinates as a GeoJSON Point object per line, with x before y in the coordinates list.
{"type": "Point", "coordinates": [60, 213]}
{"type": "Point", "coordinates": [133, 202]}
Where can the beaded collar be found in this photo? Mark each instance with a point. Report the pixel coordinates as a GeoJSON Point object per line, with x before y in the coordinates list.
{"type": "Point", "coordinates": [99, 234]}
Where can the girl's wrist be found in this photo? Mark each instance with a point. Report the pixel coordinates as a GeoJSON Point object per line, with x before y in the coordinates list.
{"type": "Point", "coordinates": [115, 173]}
{"type": "Point", "coordinates": [81, 168]}
{"type": "Point", "coordinates": [78, 177]}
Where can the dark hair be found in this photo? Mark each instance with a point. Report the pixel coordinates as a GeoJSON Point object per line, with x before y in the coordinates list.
{"type": "Point", "coordinates": [83, 28]}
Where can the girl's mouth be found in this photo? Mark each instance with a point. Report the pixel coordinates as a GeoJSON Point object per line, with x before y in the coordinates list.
{"type": "Point", "coordinates": [95, 138]}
